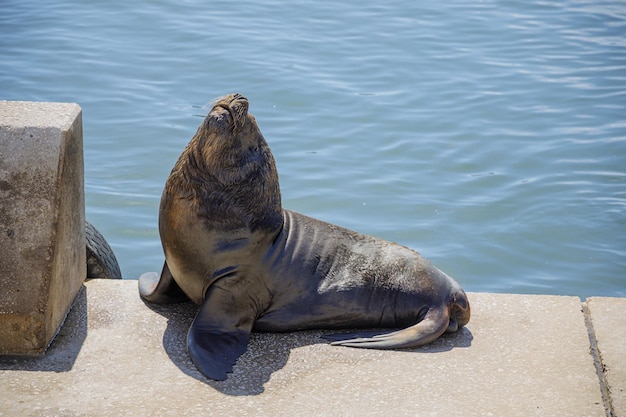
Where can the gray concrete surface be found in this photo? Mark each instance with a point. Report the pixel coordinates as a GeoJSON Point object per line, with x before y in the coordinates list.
{"type": "Point", "coordinates": [42, 220]}
{"type": "Point", "coordinates": [608, 317]}
{"type": "Point", "coordinates": [520, 355]}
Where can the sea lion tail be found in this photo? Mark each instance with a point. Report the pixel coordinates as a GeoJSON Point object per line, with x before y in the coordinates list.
{"type": "Point", "coordinates": [434, 324]}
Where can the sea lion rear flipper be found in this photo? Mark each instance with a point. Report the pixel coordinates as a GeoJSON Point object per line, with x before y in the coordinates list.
{"type": "Point", "coordinates": [433, 325]}
{"type": "Point", "coordinates": [219, 334]}
{"type": "Point", "coordinates": [160, 289]}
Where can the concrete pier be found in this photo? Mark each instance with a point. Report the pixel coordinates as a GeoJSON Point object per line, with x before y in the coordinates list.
{"type": "Point", "coordinates": [42, 221]}
{"type": "Point", "coordinates": [520, 355]}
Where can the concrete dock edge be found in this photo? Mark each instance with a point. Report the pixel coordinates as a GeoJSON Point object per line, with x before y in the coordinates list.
{"type": "Point", "coordinates": [520, 355]}
{"type": "Point", "coordinates": [607, 317]}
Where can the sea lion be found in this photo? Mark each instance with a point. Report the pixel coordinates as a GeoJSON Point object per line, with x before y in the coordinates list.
{"type": "Point", "coordinates": [231, 248]}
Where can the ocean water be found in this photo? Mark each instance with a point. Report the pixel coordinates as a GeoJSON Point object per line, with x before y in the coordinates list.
{"type": "Point", "coordinates": [488, 135]}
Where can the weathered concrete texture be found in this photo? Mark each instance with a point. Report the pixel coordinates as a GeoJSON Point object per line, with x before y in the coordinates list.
{"type": "Point", "coordinates": [520, 355]}
{"type": "Point", "coordinates": [608, 317]}
{"type": "Point", "coordinates": [42, 220]}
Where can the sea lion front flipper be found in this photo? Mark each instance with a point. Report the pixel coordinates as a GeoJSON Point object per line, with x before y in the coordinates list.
{"type": "Point", "coordinates": [160, 289]}
{"type": "Point", "coordinates": [219, 334]}
{"type": "Point", "coordinates": [433, 325]}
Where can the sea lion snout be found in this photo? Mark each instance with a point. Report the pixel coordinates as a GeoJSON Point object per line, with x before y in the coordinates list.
{"type": "Point", "coordinates": [237, 107]}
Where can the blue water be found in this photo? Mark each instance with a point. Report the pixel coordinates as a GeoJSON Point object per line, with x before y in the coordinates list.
{"type": "Point", "coordinates": [490, 136]}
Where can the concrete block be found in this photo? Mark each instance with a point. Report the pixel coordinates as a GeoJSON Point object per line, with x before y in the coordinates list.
{"type": "Point", "coordinates": [42, 221]}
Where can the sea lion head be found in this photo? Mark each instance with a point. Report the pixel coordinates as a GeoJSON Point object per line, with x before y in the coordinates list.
{"type": "Point", "coordinates": [232, 145]}
{"type": "Point", "coordinates": [227, 171]}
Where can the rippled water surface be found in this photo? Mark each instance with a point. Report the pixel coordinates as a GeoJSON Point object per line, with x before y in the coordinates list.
{"type": "Point", "coordinates": [490, 136]}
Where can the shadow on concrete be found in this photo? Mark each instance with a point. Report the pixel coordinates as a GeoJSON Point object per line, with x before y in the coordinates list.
{"type": "Point", "coordinates": [62, 352]}
{"type": "Point", "coordinates": [267, 352]}
{"type": "Point", "coordinates": [448, 341]}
